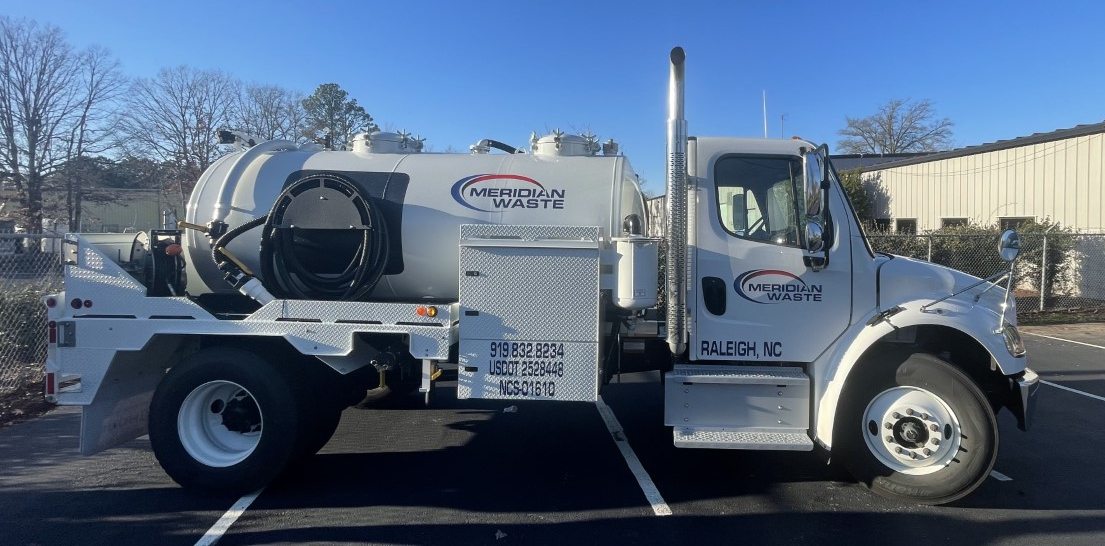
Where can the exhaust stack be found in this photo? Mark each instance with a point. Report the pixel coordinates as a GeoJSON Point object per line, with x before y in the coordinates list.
{"type": "Point", "coordinates": [676, 207]}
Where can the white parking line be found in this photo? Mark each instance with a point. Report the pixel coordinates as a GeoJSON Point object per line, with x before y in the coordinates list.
{"type": "Point", "coordinates": [1076, 391]}
{"type": "Point", "coordinates": [659, 506]}
{"type": "Point", "coordinates": [1067, 340]}
{"type": "Point", "coordinates": [219, 529]}
{"type": "Point", "coordinates": [1058, 386]}
{"type": "Point", "coordinates": [1000, 477]}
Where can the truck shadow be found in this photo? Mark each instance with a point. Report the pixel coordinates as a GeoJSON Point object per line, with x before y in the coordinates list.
{"type": "Point", "coordinates": [462, 471]}
{"type": "Point", "coordinates": [512, 456]}
{"type": "Point", "coordinates": [816, 528]}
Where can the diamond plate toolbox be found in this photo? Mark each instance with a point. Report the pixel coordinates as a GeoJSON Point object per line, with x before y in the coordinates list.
{"type": "Point", "coordinates": [529, 313]}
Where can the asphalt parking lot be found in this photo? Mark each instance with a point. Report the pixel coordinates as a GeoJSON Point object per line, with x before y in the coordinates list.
{"type": "Point", "coordinates": [490, 472]}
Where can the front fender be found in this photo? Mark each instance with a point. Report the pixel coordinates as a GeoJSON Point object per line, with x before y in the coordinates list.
{"type": "Point", "coordinates": [832, 370]}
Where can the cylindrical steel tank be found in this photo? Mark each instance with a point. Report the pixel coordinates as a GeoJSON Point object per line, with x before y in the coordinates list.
{"type": "Point", "coordinates": [424, 198]}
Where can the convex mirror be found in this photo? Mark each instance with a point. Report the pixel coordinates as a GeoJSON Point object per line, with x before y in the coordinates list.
{"type": "Point", "coordinates": [1009, 246]}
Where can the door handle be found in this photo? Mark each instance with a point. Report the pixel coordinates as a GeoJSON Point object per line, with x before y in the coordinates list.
{"type": "Point", "coordinates": [713, 295]}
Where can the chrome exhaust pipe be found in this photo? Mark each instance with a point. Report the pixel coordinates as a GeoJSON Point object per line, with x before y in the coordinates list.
{"type": "Point", "coordinates": [676, 208]}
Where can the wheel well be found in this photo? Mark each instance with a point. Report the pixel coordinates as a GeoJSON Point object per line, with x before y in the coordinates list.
{"type": "Point", "coordinates": [345, 389]}
{"type": "Point", "coordinates": [953, 346]}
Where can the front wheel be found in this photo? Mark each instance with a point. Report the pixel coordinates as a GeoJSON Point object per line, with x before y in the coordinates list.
{"type": "Point", "coordinates": [920, 431]}
{"type": "Point", "coordinates": [224, 421]}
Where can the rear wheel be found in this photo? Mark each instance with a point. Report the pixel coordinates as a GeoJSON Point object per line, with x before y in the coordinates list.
{"type": "Point", "coordinates": [919, 431]}
{"type": "Point", "coordinates": [224, 421]}
{"type": "Point", "coordinates": [318, 431]}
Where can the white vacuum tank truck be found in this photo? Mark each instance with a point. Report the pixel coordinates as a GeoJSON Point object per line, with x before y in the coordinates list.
{"type": "Point", "coordinates": [303, 278]}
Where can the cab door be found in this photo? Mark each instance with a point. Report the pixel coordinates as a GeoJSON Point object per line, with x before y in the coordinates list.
{"type": "Point", "coordinates": [762, 293]}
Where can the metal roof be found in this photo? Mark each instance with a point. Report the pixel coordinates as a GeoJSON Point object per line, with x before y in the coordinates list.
{"type": "Point", "coordinates": [1036, 138]}
{"type": "Point", "coordinates": [847, 162]}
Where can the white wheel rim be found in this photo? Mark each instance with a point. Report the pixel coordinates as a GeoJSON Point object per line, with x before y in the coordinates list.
{"type": "Point", "coordinates": [202, 424]}
{"type": "Point", "coordinates": [911, 431]}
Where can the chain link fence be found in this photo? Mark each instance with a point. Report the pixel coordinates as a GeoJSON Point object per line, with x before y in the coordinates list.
{"type": "Point", "coordinates": [1054, 272]}
{"type": "Point", "coordinates": [29, 269]}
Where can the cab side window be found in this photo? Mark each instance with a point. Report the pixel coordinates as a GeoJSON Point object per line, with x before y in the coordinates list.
{"type": "Point", "coordinates": [757, 197]}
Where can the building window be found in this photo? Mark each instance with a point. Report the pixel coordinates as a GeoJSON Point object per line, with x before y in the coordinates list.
{"type": "Point", "coordinates": [1015, 222]}
{"type": "Point", "coordinates": [906, 226]}
{"type": "Point", "coordinates": [882, 225]}
{"type": "Point", "coordinates": [953, 222]}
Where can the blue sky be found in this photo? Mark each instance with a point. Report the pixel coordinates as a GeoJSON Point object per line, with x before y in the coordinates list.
{"type": "Point", "coordinates": [456, 72]}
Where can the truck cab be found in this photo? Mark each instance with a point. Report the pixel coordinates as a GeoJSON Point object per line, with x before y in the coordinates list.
{"type": "Point", "coordinates": [773, 282]}
{"type": "Point", "coordinates": [799, 334]}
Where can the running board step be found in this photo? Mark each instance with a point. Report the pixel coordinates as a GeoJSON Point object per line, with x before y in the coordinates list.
{"type": "Point", "coordinates": [744, 375]}
{"type": "Point", "coordinates": [737, 398]}
{"type": "Point", "coordinates": [715, 438]}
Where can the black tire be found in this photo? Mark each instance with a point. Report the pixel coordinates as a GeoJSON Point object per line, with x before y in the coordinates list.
{"type": "Point", "coordinates": [316, 432]}
{"type": "Point", "coordinates": [321, 401]}
{"type": "Point", "coordinates": [224, 421]}
{"type": "Point", "coordinates": [947, 446]}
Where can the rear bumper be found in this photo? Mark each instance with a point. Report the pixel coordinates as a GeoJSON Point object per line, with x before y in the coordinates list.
{"type": "Point", "coordinates": [1025, 386]}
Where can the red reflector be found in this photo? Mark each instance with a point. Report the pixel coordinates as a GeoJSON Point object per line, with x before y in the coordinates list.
{"type": "Point", "coordinates": [421, 311]}
{"type": "Point", "coordinates": [53, 332]}
{"type": "Point", "coordinates": [50, 384]}
{"type": "Point", "coordinates": [51, 303]}
{"type": "Point", "coordinates": [76, 303]}
{"type": "Point", "coordinates": [88, 303]}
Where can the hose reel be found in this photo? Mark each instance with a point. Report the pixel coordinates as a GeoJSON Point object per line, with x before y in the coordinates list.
{"type": "Point", "coordinates": [324, 239]}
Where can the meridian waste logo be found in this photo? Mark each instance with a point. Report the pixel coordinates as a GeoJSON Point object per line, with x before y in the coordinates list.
{"type": "Point", "coordinates": [498, 192]}
{"type": "Point", "coordinates": [772, 286]}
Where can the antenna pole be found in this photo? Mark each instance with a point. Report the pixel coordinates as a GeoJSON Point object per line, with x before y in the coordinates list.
{"type": "Point", "coordinates": [765, 113]}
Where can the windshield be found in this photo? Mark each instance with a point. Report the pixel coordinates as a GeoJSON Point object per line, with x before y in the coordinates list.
{"type": "Point", "coordinates": [852, 211]}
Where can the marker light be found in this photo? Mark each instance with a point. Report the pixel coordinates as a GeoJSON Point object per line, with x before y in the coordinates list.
{"type": "Point", "coordinates": [1013, 342]}
{"type": "Point", "coordinates": [51, 303]}
{"type": "Point", "coordinates": [431, 311]}
{"type": "Point", "coordinates": [53, 332]}
{"type": "Point", "coordinates": [88, 303]}
{"type": "Point", "coordinates": [76, 303]}
{"type": "Point", "coordinates": [421, 311]}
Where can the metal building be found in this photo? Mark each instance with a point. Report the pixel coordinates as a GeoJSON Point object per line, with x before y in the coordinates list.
{"type": "Point", "coordinates": [1058, 176]}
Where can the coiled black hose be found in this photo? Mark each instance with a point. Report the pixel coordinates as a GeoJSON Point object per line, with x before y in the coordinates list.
{"type": "Point", "coordinates": [287, 276]}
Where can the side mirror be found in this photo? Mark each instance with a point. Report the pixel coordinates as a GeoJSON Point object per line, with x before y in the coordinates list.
{"type": "Point", "coordinates": [818, 222]}
{"type": "Point", "coordinates": [1009, 246]}
{"type": "Point", "coordinates": [815, 237]}
{"type": "Point", "coordinates": [815, 169]}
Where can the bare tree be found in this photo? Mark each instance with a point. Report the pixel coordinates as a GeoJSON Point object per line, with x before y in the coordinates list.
{"type": "Point", "coordinates": [271, 112]}
{"type": "Point", "coordinates": [297, 118]}
{"type": "Point", "coordinates": [175, 118]}
{"type": "Point", "coordinates": [38, 99]}
{"type": "Point", "coordinates": [899, 126]}
{"type": "Point", "coordinates": [100, 82]}
{"type": "Point", "coordinates": [332, 115]}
